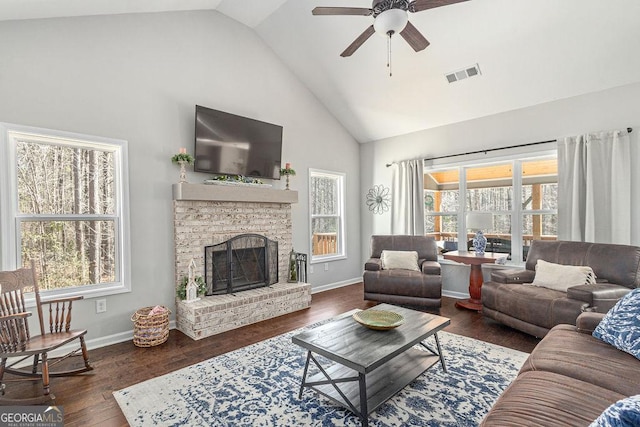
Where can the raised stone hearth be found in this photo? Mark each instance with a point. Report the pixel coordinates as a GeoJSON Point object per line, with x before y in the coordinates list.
{"type": "Point", "coordinates": [220, 313]}
{"type": "Point", "coordinates": [211, 214]}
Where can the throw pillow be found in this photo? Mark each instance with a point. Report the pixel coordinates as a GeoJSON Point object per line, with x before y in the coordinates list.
{"type": "Point", "coordinates": [561, 277]}
{"type": "Point", "coordinates": [623, 413]}
{"type": "Point", "coordinates": [620, 327]}
{"type": "Point", "coordinates": [405, 260]}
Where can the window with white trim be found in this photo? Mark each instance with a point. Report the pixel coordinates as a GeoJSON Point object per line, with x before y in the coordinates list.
{"type": "Point", "coordinates": [520, 193]}
{"type": "Point", "coordinates": [326, 205]}
{"type": "Point", "coordinates": [65, 205]}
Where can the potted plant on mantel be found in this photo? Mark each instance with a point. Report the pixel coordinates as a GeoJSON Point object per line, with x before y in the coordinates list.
{"type": "Point", "coordinates": [287, 171]}
{"type": "Point", "coordinates": [183, 158]}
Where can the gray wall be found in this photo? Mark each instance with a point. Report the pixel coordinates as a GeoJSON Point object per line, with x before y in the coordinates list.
{"type": "Point", "coordinates": [616, 108]}
{"type": "Point", "coordinates": [138, 77]}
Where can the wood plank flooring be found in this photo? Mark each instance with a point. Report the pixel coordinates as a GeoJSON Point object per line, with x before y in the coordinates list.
{"type": "Point", "coordinates": [88, 399]}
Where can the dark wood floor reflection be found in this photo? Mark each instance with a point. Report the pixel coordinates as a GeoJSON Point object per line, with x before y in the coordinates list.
{"type": "Point", "coordinates": [88, 400]}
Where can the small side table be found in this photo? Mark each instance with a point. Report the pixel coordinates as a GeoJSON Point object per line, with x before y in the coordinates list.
{"type": "Point", "coordinates": [475, 278]}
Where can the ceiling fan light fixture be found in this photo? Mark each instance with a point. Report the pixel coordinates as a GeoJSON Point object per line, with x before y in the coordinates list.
{"type": "Point", "coordinates": [391, 21]}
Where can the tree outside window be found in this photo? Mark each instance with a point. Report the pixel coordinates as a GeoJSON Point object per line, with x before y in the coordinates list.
{"type": "Point", "coordinates": [68, 210]}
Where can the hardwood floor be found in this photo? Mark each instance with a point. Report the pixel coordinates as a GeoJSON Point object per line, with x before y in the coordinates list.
{"type": "Point", "coordinates": [88, 399]}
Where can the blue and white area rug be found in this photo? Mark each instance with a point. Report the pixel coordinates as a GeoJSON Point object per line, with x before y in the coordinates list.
{"type": "Point", "coordinates": [258, 386]}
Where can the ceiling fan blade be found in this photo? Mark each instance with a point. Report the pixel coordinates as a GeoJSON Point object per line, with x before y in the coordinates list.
{"type": "Point", "coordinates": [342, 11]}
{"type": "Point", "coordinates": [419, 5]}
{"type": "Point", "coordinates": [358, 42]}
{"type": "Point", "coordinates": [415, 39]}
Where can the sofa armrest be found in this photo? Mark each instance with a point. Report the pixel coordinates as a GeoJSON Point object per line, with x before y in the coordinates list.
{"type": "Point", "coordinates": [373, 264]}
{"type": "Point", "coordinates": [431, 267]}
{"type": "Point", "coordinates": [588, 321]}
{"type": "Point", "coordinates": [513, 276]}
{"type": "Point", "coordinates": [600, 297]}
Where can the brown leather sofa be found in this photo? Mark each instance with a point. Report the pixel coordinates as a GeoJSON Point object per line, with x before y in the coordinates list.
{"type": "Point", "coordinates": [569, 379]}
{"type": "Point", "coordinates": [418, 288]}
{"type": "Point", "coordinates": [535, 310]}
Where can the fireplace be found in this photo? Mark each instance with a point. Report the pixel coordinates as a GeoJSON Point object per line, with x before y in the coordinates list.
{"type": "Point", "coordinates": [244, 262]}
{"type": "Point", "coordinates": [209, 214]}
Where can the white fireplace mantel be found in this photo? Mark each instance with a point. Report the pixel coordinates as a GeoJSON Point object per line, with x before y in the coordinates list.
{"type": "Point", "coordinates": [233, 193]}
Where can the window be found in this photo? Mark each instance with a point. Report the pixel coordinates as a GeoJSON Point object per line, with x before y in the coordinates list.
{"type": "Point", "coordinates": [326, 199]}
{"type": "Point", "coordinates": [441, 203]}
{"type": "Point", "coordinates": [521, 195]}
{"type": "Point", "coordinates": [64, 205]}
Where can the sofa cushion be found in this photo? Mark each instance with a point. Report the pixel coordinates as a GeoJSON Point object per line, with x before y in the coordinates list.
{"type": "Point", "coordinates": [567, 352]}
{"type": "Point", "coordinates": [623, 413]}
{"type": "Point", "coordinates": [531, 304]}
{"type": "Point", "coordinates": [403, 282]}
{"type": "Point", "coordinates": [400, 260]}
{"type": "Point", "coordinates": [549, 399]}
{"type": "Point", "coordinates": [620, 327]}
{"type": "Point", "coordinates": [561, 277]}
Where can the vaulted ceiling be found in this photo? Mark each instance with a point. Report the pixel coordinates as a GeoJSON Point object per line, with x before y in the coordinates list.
{"type": "Point", "coordinates": [529, 52]}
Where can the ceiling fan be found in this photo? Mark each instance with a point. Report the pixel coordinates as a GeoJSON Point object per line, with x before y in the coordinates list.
{"type": "Point", "coordinates": [390, 17]}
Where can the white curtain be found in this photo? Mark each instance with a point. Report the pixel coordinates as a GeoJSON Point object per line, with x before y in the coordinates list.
{"type": "Point", "coordinates": [407, 198]}
{"type": "Point", "coordinates": [594, 188]}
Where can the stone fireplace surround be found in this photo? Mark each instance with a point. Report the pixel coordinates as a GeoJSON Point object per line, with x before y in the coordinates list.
{"type": "Point", "coordinates": [210, 214]}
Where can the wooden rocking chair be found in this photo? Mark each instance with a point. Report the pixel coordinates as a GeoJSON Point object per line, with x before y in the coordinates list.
{"type": "Point", "coordinates": [16, 341]}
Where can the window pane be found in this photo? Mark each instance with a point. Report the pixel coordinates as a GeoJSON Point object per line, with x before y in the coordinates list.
{"type": "Point", "coordinates": [324, 236]}
{"type": "Point", "coordinates": [325, 195]}
{"type": "Point", "coordinates": [539, 227]}
{"type": "Point", "coordinates": [540, 184]}
{"type": "Point", "coordinates": [489, 188]}
{"type": "Point", "coordinates": [442, 227]}
{"type": "Point", "coordinates": [55, 179]}
{"type": "Point", "coordinates": [71, 253]}
{"type": "Point", "coordinates": [441, 190]}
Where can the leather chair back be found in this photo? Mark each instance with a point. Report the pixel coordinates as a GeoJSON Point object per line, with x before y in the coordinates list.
{"type": "Point", "coordinates": [425, 246]}
{"type": "Point", "coordinates": [618, 264]}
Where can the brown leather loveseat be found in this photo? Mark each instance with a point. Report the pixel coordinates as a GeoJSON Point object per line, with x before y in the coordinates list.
{"type": "Point", "coordinates": [419, 288]}
{"type": "Point", "coordinates": [535, 310]}
{"type": "Point", "coordinates": [569, 379]}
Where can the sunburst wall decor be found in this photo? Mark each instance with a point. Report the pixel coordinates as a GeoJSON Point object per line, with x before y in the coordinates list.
{"type": "Point", "coordinates": [378, 198]}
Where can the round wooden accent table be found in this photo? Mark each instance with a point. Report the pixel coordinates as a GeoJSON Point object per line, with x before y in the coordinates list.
{"type": "Point", "coordinates": [475, 278]}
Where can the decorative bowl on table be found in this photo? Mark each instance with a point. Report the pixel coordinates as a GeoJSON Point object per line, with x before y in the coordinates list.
{"type": "Point", "coordinates": [380, 320]}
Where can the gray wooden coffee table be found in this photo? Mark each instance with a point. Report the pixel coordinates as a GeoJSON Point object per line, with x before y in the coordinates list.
{"type": "Point", "coordinates": [370, 366]}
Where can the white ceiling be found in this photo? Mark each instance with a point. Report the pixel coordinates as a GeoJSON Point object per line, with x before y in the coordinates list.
{"type": "Point", "coordinates": [529, 52]}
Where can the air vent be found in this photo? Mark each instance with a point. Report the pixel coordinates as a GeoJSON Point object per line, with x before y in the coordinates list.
{"type": "Point", "coordinates": [467, 72]}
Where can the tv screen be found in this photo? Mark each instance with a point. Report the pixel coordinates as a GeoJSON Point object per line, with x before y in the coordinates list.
{"type": "Point", "coordinates": [234, 145]}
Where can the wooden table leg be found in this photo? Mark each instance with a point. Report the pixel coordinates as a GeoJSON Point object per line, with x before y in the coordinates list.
{"type": "Point", "coordinates": [475, 290]}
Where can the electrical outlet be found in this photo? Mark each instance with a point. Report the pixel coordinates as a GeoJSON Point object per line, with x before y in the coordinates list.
{"type": "Point", "coordinates": [326, 266]}
{"type": "Point", "coordinates": [101, 305]}
{"type": "Point", "coordinates": [311, 269]}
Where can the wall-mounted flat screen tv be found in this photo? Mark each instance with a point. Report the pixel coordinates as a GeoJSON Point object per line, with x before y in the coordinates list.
{"type": "Point", "coordinates": [234, 145]}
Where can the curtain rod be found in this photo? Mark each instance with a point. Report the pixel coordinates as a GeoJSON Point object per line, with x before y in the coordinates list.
{"type": "Point", "coordinates": [493, 149]}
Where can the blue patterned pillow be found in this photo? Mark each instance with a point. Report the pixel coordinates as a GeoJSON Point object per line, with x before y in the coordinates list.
{"type": "Point", "coordinates": [623, 413]}
{"type": "Point", "coordinates": [620, 327]}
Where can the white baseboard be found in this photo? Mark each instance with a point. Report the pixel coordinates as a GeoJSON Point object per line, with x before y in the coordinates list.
{"type": "Point", "coordinates": [454, 294]}
{"type": "Point", "coordinates": [315, 290]}
{"type": "Point", "coordinates": [336, 285]}
{"type": "Point", "coordinates": [128, 335]}
{"type": "Point", "coordinates": [101, 341]}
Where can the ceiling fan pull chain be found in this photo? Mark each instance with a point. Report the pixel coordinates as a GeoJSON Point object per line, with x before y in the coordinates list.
{"type": "Point", "coordinates": [389, 52]}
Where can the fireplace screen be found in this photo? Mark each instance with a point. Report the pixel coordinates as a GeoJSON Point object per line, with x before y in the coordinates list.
{"type": "Point", "coordinates": [243, 262]}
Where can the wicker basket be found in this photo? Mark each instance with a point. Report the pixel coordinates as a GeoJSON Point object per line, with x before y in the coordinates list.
{"type": "Point", "coordinates": [150, 330]}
